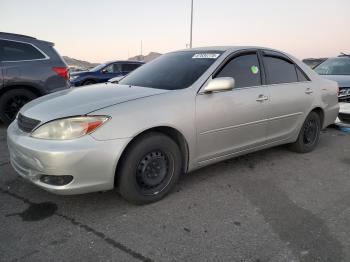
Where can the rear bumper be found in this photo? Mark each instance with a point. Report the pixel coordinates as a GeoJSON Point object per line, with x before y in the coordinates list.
{"type": "Point", "coordinates": [331, 114]}
{"type": "Point", "coordinates": [92, 163]}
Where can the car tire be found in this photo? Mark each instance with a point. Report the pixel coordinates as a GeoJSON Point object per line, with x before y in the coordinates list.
{"type": "Point", "coordinates": [151, 167]}
{"type": "Point", "coordinates": [309, 134]}
{"type": "Point", "coordinates": [12, 101]}
{"type": "Point", "coordinates": [88, 82]}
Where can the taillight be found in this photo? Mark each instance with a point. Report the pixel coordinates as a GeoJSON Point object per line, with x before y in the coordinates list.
{"type": "Point", "coordinates": [62, 71]}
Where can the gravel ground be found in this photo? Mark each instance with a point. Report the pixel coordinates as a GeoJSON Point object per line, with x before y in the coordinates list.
{"type": "Point", "coordinates": [273, 205]}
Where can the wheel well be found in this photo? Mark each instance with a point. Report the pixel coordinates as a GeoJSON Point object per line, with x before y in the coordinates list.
{"type": "Point", "coordinates": [28, 87]}
{"type": "Point", "coordinates": [168, 131]}
{"type": "Point", "coordinates": [90, 80]}
{"type": "Point", "coordinates": [320, 112]}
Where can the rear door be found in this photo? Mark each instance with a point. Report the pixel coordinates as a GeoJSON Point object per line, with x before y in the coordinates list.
{"type": "Point", "coordinates": [291, 95]}
{"type": "Point", "coordinates": [233, 121]}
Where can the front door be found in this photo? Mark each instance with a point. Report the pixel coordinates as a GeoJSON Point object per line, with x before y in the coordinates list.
{"type": "Point", "coordinates": [232, 121]}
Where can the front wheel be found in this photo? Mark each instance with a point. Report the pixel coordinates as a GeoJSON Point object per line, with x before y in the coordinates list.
{"type": "Point", "coordinates": [150, 168]}
{"type": "Point", "coordinates": [12, 101]}
{"type": "Point", "coordinates": [309, 134]}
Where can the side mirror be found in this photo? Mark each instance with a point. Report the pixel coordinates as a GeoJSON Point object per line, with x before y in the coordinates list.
{"type": "Point", "coordinates": [104, 71]}
{"type": "Point", "coordinates": [220, 84]}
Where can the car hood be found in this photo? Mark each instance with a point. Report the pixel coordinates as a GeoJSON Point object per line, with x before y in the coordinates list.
{"type": "Point", "coordinates": [343, 80]}
{"type": "Point", "coordinates": [81, 101]}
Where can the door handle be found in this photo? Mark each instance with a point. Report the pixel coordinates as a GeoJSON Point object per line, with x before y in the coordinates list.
{"type": "Point", "coordinates": [262, 98]}
{"type": "Point", "coordinates": [308, 91]}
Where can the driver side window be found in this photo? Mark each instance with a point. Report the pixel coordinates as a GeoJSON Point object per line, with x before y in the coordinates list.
{"type": "Point", "coordinates": [109, 69]}
{"type": "Point", "coordinates": [244, 69]}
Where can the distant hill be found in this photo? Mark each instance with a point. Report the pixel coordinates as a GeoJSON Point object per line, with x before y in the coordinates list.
{"type": "Point", "coordinates": [75, 63]}
{"type": "Point", "coordinates": [147, 58]}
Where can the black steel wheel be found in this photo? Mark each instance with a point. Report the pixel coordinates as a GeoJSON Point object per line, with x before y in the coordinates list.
{"type": "Point", "coordinates": [12, 101]}
{"type": "Point", "coordinates": [154, 172]}
{"type": "Point", "coordinates": [309, 134]}
{"type": "Point", "coordinates": [150, 168]}
{"type": "Point", "coordinates": [311, 129]}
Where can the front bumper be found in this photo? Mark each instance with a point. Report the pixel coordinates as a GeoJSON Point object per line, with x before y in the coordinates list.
{"type": "Point", "coordinates": [92, 163]}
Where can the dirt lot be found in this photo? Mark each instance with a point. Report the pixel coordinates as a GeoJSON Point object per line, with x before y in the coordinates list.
{"type": "Point", "coordinates": [273, 205]}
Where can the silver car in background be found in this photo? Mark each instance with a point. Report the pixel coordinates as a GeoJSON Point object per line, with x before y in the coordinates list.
{"type": "Point", "coordinates": [180, 112]}
{"type": "Point", "coordinates": [337, 69]}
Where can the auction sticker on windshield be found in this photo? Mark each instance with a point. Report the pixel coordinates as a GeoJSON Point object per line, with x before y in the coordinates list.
{"type": "Point", "coordinates": [206, 55]}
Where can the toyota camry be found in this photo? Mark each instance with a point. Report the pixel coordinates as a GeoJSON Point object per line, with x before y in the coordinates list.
{"type": "Point", "coordinates": [180, 112]}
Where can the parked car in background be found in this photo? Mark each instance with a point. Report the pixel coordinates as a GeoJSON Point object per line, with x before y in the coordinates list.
{"type": "Point", "coordinates": [103, 72]}
{"type": "Point", "coordinates": [313, 62]}
{"type": "Point", "coordinates": [344, 113]}
{"type": "Point", "coordinates": [337, 69]}
{"type": "Point", "coordinates": [177, 113]}
{"type": "Point", "coordinates": [29, 68]}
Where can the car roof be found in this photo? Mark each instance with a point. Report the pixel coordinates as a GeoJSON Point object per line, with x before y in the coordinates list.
{"type": "Point", "coordinates": [24, 38]}
{"type": "Point", "coordinates": [227, 48]}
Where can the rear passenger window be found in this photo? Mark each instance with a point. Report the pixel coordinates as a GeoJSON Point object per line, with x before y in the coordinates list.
{"type": "Point", "coordinates": [279, 70]}
{"type": "Point", "coordinates": [301, 75]}
{"type": "Point", "coordinates": [244, 69]}
{"type": "Point", "coordinates": [17, 51]}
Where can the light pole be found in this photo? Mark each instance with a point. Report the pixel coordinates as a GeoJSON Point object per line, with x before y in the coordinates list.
{"type": "Point", "coordinates": [141, 48]}
{"type": "Point", "coordinates": [191, 24]}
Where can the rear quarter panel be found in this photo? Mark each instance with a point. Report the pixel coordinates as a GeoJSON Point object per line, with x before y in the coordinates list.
{"type": "Point", "coordinates": [326, 94]}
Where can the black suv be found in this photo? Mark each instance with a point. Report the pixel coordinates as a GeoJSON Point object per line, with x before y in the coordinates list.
{"type": "Point", "coordinates": [29, 68]}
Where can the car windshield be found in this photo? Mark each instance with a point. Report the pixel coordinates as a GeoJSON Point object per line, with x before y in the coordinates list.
{"type": "Point", "coordinates": [97, 68]}
{"type": "Point", "coordinates": [334, 66]}
{"type": "Point", "coordinates": [172, 71]}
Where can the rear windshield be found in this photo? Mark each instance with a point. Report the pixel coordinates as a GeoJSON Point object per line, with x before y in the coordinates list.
{"type": "Point", "coordinates": [172, 71]}
{"type": "Point", "coordinates": [334, 66]}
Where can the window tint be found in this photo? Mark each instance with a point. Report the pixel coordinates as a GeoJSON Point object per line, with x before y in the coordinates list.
{"type": "Point", "coordinates": [244, 69]}
{"type": "Point", "coordinates": [129, 67]}
{"type": "Point", "coordinates": [15, 51]}
{"type": "Point", "coordinates": [301, 75]}
{"type": "Point", "coordinates": [279, 70]}
{"type": "Point", "coordinates": [172, 71]}
{"type": "Point", "coordinates": [117, 68]}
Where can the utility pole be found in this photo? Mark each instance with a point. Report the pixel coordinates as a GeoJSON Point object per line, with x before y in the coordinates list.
{"type": "Point", "coordinates": [191, 24]}
{"type": "Point", "coordinates": [141, 47]}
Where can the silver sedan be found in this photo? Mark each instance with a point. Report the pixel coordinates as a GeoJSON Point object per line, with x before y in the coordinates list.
{"type": "Point", "coordinates": [180, 112]}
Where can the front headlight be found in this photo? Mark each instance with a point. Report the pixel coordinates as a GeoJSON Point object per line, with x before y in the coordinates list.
{"type": "Point", "coordinates": [69, 128]}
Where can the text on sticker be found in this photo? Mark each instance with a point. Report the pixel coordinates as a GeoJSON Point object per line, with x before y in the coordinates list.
{"type": "Point", "coordinates": [206, 55]}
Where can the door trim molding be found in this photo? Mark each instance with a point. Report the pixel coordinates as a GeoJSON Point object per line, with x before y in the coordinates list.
{"type": "Point", "coordinates": [250, 123]}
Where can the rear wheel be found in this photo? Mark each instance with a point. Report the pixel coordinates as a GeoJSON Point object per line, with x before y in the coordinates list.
{"type": "Point", "coordinates": [150, 168]}
{"type": "Point", "coordinates": [309, 134]}
{"type": "Point", "coordinates": [12, 101]}
{"type": "Point", "coordinates": [89, 82]}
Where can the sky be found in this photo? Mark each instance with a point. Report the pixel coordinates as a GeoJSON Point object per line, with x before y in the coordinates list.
{"type": "Point", "coordinates": [103, 30]}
